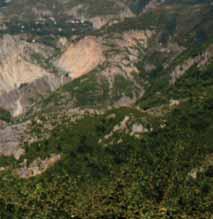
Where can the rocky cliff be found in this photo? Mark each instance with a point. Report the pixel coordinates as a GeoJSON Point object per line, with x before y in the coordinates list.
{"type": "Point", "coordinates": [115, 117]}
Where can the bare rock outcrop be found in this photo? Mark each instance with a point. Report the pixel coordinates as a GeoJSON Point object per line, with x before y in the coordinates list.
{"type": "Point", "coordinates": [18, 101]}
{"type": "Point", "coordinates": [10, 141]}
{"type": "Point", "coordinates": [37, 167]}
{"type": "Point", "coordinates": [15, 70]}
{"type": "Point", "coordinates": [152, 5]}
{"type": "Point", "coordinates": [82, 57]}
{"type": "Point", "coordinates": [120, 53]}
{"type": "Point", "coordinates": [114, 57]}
{"type": "Point", "coordinates": [118, 13]}
{"type": "Point", "coordinates": [22, 81]}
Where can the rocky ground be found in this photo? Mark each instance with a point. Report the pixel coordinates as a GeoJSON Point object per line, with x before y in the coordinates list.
{"type": "Point", "coordinates": [92, 91]}
{"type": "Point", "coordinates": [31, 69]}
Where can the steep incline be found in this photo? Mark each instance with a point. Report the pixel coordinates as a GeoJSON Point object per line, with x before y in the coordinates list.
{"type": "Point", "coordinates": [15, 70]}
{"type": "Point", "coordinates": [131, 135]}
{"type": "Point", "coordinates": [82, 57]}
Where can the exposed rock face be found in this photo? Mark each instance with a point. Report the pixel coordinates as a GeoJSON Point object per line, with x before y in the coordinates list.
{"type": "Point", "coordinates": [121, 127]}
{"type": "Point", "coordinates": [15, 70]}
{"type": "Point", "coordinates": [2, 124]}
{"type": "Point", "coordinates": [99, 22]}
{"type": "Point", "coordinates": [137, 128]}
{"type": "Point", "coordinates": [153, 4]}
{"type": "Point", "coordinates": [22, 81]}
{"type": "Point", "coordinates": [118, 12]}
{"type": "Point", "coordinates": [133, 37]}
{"type": "Point", "coordinates": [18, 101]}
{"type": "Point", "coordinates": [123, 51]}
{"type": "Point", "coordinates": [120, 53]}
{"type": "Point", "coordinates": [10, 141]}
{"type": "Point", "coordinates": [82, 57]}
{"type": "Point", "coordinates": [37, 167]}
{"type": "Point", "coordinates": [173, 103]}
{"type": "Point", "coordinates": [113, 58]}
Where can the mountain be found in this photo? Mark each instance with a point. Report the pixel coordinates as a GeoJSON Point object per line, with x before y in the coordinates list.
{"type": "Point", "coordinates": [106, 109]}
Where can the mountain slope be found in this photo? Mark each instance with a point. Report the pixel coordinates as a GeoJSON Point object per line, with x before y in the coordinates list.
{"type": "Point", "coordinates": [116, 171]}
{"type": "Point", "coordinates": [131, 135]}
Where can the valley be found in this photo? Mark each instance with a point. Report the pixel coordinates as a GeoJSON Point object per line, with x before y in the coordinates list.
{"type": "Point", "coordinates": [106, 109]}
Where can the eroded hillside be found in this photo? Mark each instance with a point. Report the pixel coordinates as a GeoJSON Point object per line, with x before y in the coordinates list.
{"type": "Point", "coordinates": [106, 105]}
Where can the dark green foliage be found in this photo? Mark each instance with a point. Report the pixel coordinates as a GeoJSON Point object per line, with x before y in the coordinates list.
{"type": "Point", "coordinates": [48, 27]}
{"type": "Point", "coordinates": [5, 115]}
{"type": "Point", "coordinates": [195, 82]}
{"type": "Point", "coordinates": [93, 90]}
{"type": "Point", "coordinates": [149, 20]}
{"type": "Point", "coordinates": [167, 173]}
{"type": "Point", "coordinates": [121, 179]}
{"type": "Point", "coordinates": [138, 5]}
{"type": "Point", "coordinates": [3, 3]}
{"type": "Point", "coordinates": [123, 87]}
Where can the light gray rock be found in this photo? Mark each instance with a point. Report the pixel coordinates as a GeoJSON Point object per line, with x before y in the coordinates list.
{"type": "Point", "coordinates": [10, 141]}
